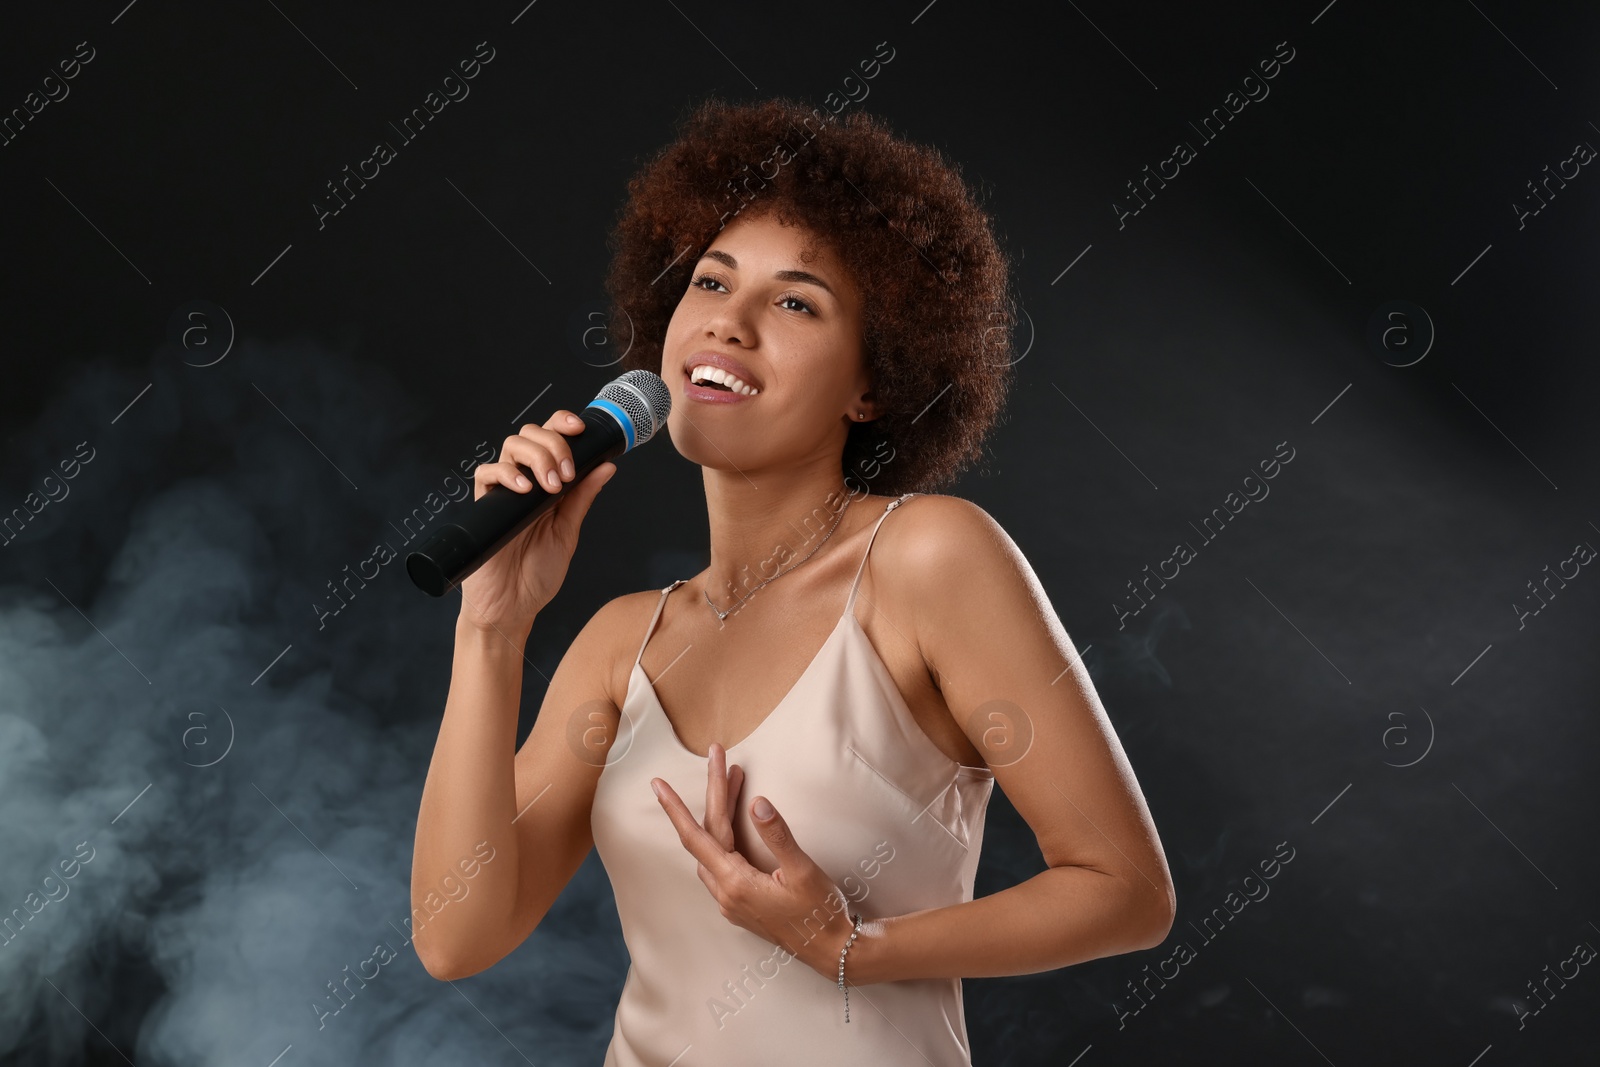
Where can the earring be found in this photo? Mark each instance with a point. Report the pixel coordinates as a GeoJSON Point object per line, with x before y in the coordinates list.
{"type": "Point", "coordinates": [861, 414]}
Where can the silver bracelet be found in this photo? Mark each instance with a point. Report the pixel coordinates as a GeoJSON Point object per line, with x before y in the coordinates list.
{"type": "Point", "coordinates": [854, 934]}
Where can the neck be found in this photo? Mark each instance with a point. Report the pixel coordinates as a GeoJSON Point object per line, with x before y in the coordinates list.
{"type": "Point", "coordinates": [766, 522]}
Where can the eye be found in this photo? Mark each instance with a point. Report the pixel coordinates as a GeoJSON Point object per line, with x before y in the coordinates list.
{"type": "Point", "coordinates": [786, 298]}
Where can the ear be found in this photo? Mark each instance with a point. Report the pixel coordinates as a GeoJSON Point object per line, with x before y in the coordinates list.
{"type": "Point", "coordinates": [867, 403]}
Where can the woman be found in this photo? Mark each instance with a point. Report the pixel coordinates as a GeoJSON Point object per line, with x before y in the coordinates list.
{"type": "Point", "coordinates": [785, 766]}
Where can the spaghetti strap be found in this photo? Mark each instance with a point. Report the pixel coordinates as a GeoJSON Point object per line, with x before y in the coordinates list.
{"type": "Point", "coordinates": [855, 585]}
{"type": "Point", "coordinates": [662, 603]}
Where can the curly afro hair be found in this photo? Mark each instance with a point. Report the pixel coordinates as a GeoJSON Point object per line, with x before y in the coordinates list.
{"type": "Point", "coordinates": [939, 310]}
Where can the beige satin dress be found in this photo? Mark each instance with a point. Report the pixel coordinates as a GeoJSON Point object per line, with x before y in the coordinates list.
{"type": "Point", "coordinates": [868, 796]}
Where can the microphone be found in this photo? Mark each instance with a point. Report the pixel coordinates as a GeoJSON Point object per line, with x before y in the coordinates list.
{"type": "Point", "coordinates": [625, 415]}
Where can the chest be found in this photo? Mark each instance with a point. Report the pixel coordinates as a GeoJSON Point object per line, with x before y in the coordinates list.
{"type": "Point", "coordinates": [724, 687]}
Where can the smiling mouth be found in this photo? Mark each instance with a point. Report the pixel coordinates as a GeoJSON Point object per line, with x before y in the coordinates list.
{"type": "Point", "coordinates": [709, 376]}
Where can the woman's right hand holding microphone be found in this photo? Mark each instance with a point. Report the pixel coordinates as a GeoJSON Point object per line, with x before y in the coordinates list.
{"type": "Point", "coordinates": [517, 582]}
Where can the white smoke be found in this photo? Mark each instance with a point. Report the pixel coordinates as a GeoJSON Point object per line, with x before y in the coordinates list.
{"type": "Point", "coordinates": [244, 782]}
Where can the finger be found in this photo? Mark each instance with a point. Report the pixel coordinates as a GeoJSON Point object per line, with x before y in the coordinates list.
{"type": "Point", "coordinates": [488, 475]}
{"type": "Point", "coordinates": [540, 455]}
{"type": "Point", "coordinates": [553, 435]}
{"type": "Point", "coordinates": [701, 845]}
{"type": "Point", "coordinates": [519, 453]}
{"type": "Point", "coordinates": [735, 784]}
{"type": "Point", "coordinates": [575, 505]}
{"type": "Point", "coordinates": [510, 475]}
{"type": "Point", "coordinates": [776, 833]}
{"type": "Point", "coordinates": [563, 421]}
{"type": "Point", "coordinates": [716, 821]}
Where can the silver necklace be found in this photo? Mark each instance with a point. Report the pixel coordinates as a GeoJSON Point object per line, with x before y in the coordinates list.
{"type": "Point", "coordinates": [722, 616]}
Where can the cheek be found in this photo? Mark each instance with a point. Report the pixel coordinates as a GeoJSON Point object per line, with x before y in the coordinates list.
{"type": "Point", "coordinates": [680, 331]}
{"type": "Point", "coordinates": [685, 313]}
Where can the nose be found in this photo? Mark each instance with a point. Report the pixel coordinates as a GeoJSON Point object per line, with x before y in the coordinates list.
{"type": "Point", "coordinates": [732, 322]}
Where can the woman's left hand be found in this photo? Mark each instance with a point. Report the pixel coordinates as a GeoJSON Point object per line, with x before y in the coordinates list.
{"type": "Point", "coordinates": [776, 906]}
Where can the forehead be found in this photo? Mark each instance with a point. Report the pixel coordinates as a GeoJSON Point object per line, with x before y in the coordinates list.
{"type": "Point", "coordinates": [762, 244]}
{"type": "Point", "coordinates": [764, 237]}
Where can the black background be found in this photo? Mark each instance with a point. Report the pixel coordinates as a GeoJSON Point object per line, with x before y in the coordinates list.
{"type": "Point", "coordinates": [1359, 618]}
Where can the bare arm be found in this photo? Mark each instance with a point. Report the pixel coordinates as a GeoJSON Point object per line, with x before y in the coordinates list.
{"type": "Point", "coordinates": [486, 866]}
{"type": "Point", "coordinates": [998, 652]}
{"type": "Point", "coordinates": [467, 799]}
{"type": "Point", "coordinates": [528, 810]}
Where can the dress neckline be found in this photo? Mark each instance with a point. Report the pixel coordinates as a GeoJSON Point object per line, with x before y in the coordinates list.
{"type": "Point", "coordinates": [783, 701]}
{"type": "Point", "coordinates": [848, 615]}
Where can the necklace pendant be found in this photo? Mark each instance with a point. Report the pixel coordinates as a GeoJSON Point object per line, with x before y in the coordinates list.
{"type": "Point", "coordinates": [722, 616]}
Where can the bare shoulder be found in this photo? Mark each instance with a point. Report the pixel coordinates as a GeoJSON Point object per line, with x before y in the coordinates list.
{"type": "Point", "coordinates": [614, 633]}
{"type": "Point", "coordinates": [935, 540]}
{"type": "Point", "coordinates": [946, 555]}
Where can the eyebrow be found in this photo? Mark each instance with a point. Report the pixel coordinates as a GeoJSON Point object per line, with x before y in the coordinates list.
{"type": "Point", "coordinates": [782, 275]}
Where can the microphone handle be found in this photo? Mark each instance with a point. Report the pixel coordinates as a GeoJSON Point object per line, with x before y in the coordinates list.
{"type": "Point", "coordinates": [486, 525]}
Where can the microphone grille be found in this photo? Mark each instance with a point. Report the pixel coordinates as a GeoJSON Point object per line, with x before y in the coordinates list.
{"type": "Point", "coordinates": [644, 398]}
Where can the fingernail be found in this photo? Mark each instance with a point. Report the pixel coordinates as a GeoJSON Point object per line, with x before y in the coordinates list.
{"type": "Point", "coordinates": [522, 483]}
{"type": "Point", "coordinates": [574, 420]}
{"type": "Point", "coordinates": [763, 809]}
{"type": "Point", "coordinates": [655, 787]}
{"type": "Point", "coordinates": [566, 468]}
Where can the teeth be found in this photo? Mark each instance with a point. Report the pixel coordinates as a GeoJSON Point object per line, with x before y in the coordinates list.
{"type": "Point", "coordinates": [705, 372]}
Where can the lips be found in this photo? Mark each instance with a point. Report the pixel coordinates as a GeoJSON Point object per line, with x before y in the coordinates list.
{"type": "Point", "coordinates": [723, 362]}
{"type": "Point", "coordinates": [712, 395]}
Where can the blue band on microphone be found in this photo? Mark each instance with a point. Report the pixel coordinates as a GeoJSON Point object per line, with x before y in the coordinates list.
{"type": "Point", "coordinates": [617, 413]}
